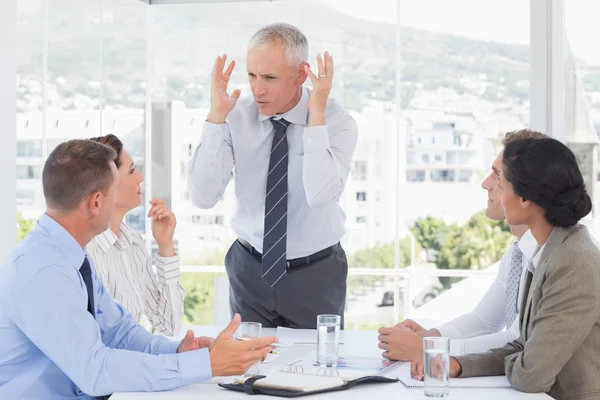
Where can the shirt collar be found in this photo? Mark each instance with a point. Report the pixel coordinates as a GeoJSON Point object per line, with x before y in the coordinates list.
{"type": "Point", "coordinates": [528, 246]}
{"type": "Point", "coordinates": [536, 259]}
{"type": "Point", "coordinates": [297, 115]}
{"type": "Point", "coordinates": [72, 249]}
{"type": "Point", "coordinates": [108, 239]}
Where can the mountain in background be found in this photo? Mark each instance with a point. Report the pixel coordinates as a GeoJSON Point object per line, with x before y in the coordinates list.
{"type": "Point", "coordinates": [88, 45]}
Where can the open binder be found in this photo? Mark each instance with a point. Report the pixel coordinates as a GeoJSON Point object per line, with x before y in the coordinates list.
{"type": "Point", "coordinates": [302, 378]}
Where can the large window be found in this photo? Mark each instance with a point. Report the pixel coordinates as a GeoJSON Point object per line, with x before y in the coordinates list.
{"type": "Point", "coordinates": [78, 79]}
{"type": "Point", "coordinates": [433, 88]}
{"type": "Point", "coordinates": [582, 89]}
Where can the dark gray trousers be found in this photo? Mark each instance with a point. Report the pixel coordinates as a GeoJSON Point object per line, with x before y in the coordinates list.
{"type": "Point", "coordinates": [296, 300]}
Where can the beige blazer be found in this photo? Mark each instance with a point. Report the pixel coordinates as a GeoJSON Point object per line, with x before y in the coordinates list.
{"type": "Point", "coordinates": [559, 348]}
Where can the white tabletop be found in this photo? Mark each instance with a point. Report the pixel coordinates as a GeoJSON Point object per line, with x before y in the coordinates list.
{"type": "Point", "coordinates": [356, 343]}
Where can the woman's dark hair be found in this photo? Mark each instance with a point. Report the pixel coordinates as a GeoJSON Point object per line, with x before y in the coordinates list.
{"type": "Point", "coordinates": [545, 171]}
{"type": "Point", "coordinates": [111, 141]}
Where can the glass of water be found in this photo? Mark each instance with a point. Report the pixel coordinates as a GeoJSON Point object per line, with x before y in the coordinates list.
{"type": "Point", "coordinates": [437, 366]}
{"type": "Point", "coordinates": [328, 340]}
{"type": "Point", "coordinates": [250, 330]}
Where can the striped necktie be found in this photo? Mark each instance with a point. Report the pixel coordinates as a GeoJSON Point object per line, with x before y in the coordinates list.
{"type": "Point", "coordinates": [512, 286]}
{"type": "Point", "coordinates": [276, 207]}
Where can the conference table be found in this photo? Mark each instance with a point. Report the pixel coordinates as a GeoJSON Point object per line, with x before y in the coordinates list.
{"type": "Point", "coordinates": [355, 343]}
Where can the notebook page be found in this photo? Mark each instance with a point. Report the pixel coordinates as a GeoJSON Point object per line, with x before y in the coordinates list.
{"type": "Point", "coordinates": [300, 382]}
{"type": "Point", "coordinates": [488, 382]}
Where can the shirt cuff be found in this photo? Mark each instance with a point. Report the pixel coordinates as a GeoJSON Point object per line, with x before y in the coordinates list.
{"type": "Point", "coordinates": [449, 331]}
{"type": "Point", "coordinates": [168, 347]}
{"type": "Point", "coordinates": [456, 347]}
{"type": "Point", "coordinates": [316, 138]}
{"type": "Point", "coordinates": [168, 266]}
{"type": "Point", "coordinates": [194, 366]}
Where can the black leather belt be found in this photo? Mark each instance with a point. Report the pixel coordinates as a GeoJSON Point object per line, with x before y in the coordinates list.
{"type": "Point", "coordinates": [296, 262]}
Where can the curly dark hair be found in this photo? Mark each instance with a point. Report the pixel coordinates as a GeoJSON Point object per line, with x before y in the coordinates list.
{"type": "Point", "coordinates": [545, 171]}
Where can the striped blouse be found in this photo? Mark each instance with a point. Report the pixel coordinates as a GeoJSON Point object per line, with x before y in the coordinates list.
{"type": "Point", "coordinates": [125, 268]}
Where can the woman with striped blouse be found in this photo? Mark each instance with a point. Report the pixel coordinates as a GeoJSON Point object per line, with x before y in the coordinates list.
{"type": "Point", "coordinates": [123, 263]}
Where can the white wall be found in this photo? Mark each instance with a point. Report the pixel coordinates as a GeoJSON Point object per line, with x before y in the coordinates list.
{"type": "Point", "coordinates": [8, 127]}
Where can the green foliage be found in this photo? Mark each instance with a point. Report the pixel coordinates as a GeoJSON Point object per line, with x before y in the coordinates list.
{"type": "Point", "coordinates": [199, 298]}
{"type": "Point", "coordinates": [200, 290]}
{"type": "Point", "coordinates": [478, 243]}
{"type": "Point", "coordinates": [428, 232]}
{"type": "Point", "coordinates": [381, 256]}
{"type": "Point", "coordinates": [24, 226]}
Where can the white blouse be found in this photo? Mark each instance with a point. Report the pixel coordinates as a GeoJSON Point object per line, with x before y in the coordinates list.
{"type": "Point", "coordinates": [125, 268]}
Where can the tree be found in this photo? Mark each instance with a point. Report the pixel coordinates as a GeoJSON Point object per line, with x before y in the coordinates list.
{"type": "Point", "coordinates": [199, 300]}
{"type": "Point", "coordinates": [200, 290]}
{"type": "Point", "coordinates": [24, 226]}
{"type": "Point", "coordinates": [428, 232]}
{"type": "Point", "coordinates": [493, 237]}
{"type": "Point", "coordinates": [382, 255]}
{"type": "Point", "coordinates": [460, 250]}
{"type": "Point", "coordinates": [478, 243]}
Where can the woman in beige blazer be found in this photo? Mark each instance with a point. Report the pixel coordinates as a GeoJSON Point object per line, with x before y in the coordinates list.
{"type": "Point", "coordinates": [559, 348]}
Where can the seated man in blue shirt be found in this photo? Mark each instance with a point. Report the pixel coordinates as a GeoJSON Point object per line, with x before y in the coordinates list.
{"type": "Point", "coordinates": [62, 335]}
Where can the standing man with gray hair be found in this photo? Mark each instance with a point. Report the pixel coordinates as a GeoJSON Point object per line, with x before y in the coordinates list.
{"type": "Point", "coordinates": [291, 150]}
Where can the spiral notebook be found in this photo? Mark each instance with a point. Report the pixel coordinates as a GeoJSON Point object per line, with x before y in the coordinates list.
{"type": "Point", "coordinates": [484, 382]}
{"type": "Point", "coordinates": [303, 377]}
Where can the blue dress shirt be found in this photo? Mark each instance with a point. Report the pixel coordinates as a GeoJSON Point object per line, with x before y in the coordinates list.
{"type": "Point", "coordinates": [51, 347]}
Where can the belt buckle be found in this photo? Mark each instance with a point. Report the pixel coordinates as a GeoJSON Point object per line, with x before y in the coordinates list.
{"type": "Point", "coordinates": [287, 265]}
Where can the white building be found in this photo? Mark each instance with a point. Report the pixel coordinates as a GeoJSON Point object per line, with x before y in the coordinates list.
{"type": "Point", "coordinates": [446, 160]}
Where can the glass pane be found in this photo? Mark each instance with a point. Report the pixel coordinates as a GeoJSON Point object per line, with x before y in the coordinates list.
{"type": "Point", "coordinates": [370, 302]}
{"type": "Point", "coordinates": [364, 63]}
{"type": "Point", "coordinates": [465, 83]}
{"type": "Point", "coordinates": [30, 200]}
{"type": "Point", "coordinates": [582, 92]}
{"type": "Point", "coordinates": [124, 86]}
{"type": "Point", "coordinates": [185, 41]}
{"type": "Point", "coordinates": [199, 298]}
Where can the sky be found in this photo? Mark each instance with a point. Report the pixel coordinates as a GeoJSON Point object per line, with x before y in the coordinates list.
{"type": "Point", "coordinates": [498, 20]}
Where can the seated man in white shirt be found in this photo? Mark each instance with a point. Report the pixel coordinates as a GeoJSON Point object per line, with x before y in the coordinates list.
{"type": "Point", "coordinates": [494, 321]}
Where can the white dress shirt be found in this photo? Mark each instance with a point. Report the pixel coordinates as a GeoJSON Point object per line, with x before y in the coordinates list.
{"type": "Point", "coordinates": [319, 163]}
{"type": "Point", "coordinates": [126, 271]}
{"type": "Point", "coordinates": [482, 329]}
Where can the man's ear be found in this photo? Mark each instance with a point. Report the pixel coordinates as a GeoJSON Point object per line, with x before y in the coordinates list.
{"type": "Point", "coordinates": [93, 203]}
{"type": "Point", "coordinates": [300, 74]}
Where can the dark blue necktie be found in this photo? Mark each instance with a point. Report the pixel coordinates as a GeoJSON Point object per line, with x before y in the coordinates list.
{"type": "Point", "coordinates": [86, 274]}
{"type": "Point", "coordinates": [275, 233]}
